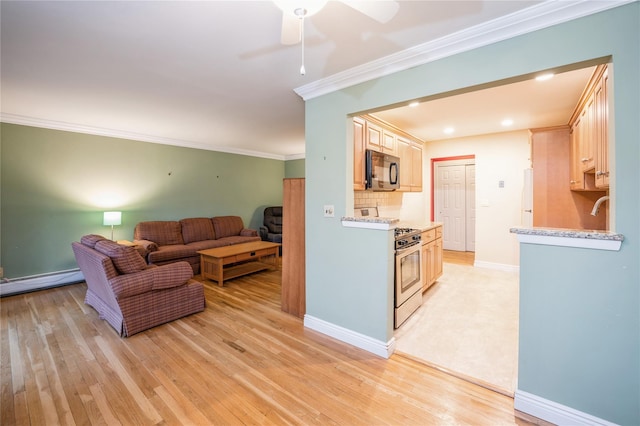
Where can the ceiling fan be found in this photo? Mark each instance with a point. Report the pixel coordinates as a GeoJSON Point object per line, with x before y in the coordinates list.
{"type": "Point", "coordinates": [295, 11]}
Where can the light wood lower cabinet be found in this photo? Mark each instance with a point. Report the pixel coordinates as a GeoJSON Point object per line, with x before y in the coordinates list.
{"type": "Point", "coordinates": [431, 256]}
{"type": "Point", "coordinates": [293, 248]}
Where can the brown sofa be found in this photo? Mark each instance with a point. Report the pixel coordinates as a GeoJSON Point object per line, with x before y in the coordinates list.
{"type": "Point", "coordinates": [131, 295]}
{"type": "Point", "coordinates": [173, 241]}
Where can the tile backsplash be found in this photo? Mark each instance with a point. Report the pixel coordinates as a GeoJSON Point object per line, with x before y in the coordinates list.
{"type": "Point", "coordinates": [388, 203]}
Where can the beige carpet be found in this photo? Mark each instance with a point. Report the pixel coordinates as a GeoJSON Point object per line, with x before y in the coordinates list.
{"type": "Point", "coordinates": [468, 325]}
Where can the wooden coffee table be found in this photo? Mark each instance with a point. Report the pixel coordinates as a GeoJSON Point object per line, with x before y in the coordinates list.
{"type": "Point", "coordinates": [223, 263]}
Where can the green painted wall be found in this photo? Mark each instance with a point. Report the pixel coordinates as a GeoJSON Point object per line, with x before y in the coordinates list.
{"type": "Point", "coordinates": [580, 324]}
{"type": "Point", "coordinates": [294, 168]}
{"type": "Point", "coordinates": [55, 186]}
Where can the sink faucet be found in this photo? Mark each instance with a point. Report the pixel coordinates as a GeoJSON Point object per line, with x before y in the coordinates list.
{"type": "Point", "coordinates": [596, 206]}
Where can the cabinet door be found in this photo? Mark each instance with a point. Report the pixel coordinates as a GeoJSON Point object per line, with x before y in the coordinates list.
{"type": "Point", "coordinates": [406, 163]}
{"type": "Point", "coordinates": [374, 137]}
{"type": "Point", "coordinates": [426, 268]}
{"type": "Point", "coordinates": [410, 154]}
{"type": "Point", "coordinates": [429, 256]}
{"type": "Point", "coordinates": [358, 153]}
{"type": "Point", "coordinates": [587, 146]}
{"type": "Point", "coordinates": [575, 167]}
{"type": "Point", "coordinates": [389, 142]}
{"type": "Point", "coordinates": [602, 132]}
{"type": "Point", "coordinates": [437, 259]}
{"type": "Point", "coordinates": [416, 167]}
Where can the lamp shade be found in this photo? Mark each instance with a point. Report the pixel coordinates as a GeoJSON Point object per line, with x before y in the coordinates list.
{"type": "Point", "coordinates": [112, 218]}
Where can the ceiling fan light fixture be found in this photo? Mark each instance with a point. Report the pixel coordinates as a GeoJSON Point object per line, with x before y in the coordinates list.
{"type": "Point", "coordinates": [300, 8]}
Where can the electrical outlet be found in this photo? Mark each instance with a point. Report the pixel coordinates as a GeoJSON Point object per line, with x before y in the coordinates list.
{"type": "Point", "coordinates": [328, 211]}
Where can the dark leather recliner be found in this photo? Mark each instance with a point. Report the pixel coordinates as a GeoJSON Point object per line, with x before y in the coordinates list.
{"type": "Point", "coordinates": [272, 229]}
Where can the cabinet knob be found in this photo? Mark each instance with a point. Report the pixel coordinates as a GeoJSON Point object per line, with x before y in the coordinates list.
{"type": "Point", "coordinates": [599, 173]}
{"type": "Point", "coordinates": [572, 182]}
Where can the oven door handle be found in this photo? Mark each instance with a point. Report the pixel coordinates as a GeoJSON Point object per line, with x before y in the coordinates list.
{"type": "Point", "coordinates": [407, 248]}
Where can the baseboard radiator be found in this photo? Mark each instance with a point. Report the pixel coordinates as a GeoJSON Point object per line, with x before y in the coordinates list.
{"type": "Point", "coordinates": [10, 287]}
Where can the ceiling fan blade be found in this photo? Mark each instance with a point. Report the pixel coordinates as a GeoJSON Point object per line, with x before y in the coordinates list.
{"type": "Point", "coordinates": [290, 29]}
{"type": "Point", "coordinates": [381, 10]}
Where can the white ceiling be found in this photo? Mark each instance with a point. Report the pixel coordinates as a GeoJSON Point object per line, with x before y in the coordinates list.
{"type": "Point", "coordinates": [214, 75]}
{"type": "Point", "coordinates": [529, 104]}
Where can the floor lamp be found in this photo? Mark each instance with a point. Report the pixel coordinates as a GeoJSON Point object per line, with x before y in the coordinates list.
{"type": "Point", "coordinates": [112, 218]}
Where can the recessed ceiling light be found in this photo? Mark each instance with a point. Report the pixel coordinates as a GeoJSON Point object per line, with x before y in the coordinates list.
{"type": "Point", "coordinates": [414, 104]}
{"type": "Point", "coordinates": [507, 122]}
{"type": "Point", "coordinates": [544, 77]}
{"type": "Point", "coordinates": [448, 130]}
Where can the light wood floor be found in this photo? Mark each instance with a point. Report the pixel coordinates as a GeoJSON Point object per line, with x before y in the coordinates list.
{"type": "Point", "coordinates": [459, 257]}
{"type": "Point", "coordinates": [241, 361]}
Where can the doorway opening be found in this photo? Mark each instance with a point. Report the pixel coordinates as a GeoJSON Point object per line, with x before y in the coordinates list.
{"type": "Point", "coordinates": [453, 201]}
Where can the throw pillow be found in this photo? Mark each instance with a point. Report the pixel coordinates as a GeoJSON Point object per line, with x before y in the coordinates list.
{"type": "Point", "coordinates": [90, 240]}
{"type": "Point", "coordinates": [127, 260]}
{"type": "Point", "coordinates": [197, 229]}
{"type": "Point", "coordinates": [227, 226]}
{"type": "Point", "coordinates": [161, 232]}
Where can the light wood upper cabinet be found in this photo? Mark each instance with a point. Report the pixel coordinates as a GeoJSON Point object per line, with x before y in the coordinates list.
{"type": "Point", "coordinates": [589, 136]}
{"type": "Point", "coordinates": [389, 142]}
{"type": "Point", "coordinates": [382, 137]}
{"type": "Point", "coordinates": [374, 136]}
{"type": "Point", "coordinates": [404, 152]}
{"type": "Point", "coordinates": [359, 145]}
{"type": "Point", "coordinates": [587, 144]}
{"type": "Point", "coordinates": [416, 167]}
{"type": "Point", "coordinates": [602, 132]}
{"type": "Point", "coordinates": [575, 167]}
{"type": "Point", "coordinates": [410, 154]}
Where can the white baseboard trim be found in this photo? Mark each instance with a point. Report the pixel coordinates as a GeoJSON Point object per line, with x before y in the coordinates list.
{"type": "Point", "coordinates": [497, 266]}
{"type": "Point", "coordinates": [40, 282]}
{"type": "Point", "coordinates": [358, 340]}
{"type": "Point", "coordinates": [553, 412]}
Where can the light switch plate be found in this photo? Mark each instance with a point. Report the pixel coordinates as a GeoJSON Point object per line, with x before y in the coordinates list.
{"type": "Point", "coordinates": [329, 210]}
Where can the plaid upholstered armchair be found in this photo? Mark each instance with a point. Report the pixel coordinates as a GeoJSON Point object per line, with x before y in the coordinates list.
{"type": "Point", "coordinates": [131, 295]}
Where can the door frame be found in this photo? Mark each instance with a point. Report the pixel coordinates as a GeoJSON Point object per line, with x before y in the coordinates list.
{"type": "Point", "coordinates": [434, 161]}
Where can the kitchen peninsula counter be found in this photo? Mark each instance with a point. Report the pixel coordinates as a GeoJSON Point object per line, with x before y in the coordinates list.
{"type": "Point", "coordinates": [591, 239]}
{"type": "Point", "coordinates": [422, 226]}
{"type": "Point", "coordinates": [370, 222]}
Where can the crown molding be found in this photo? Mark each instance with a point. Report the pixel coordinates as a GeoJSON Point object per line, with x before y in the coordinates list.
{"type": "Point", "coordinates": [114, 133]}
{"type": "Point", "coordinates": [295, 157]}
{"type": "Point", "coordinates": [531, 19]}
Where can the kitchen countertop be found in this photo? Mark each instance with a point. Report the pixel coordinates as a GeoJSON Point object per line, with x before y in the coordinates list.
{"type": "Point", "coordinates": [582, 238]}
{"type": "Point", "coordinates": [370, 222]}
{"type": "Point", "coordinates": [423, 226]}
{"type": "Point", "coordinates": [385, 223]}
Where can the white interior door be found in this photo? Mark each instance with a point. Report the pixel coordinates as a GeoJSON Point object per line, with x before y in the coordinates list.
{"type": "Point", "coordinates": [455, 204]}
{"type": "Point", "coordinates": [470, 176]}
{"type": "Point", "coordinates": [451, 200]}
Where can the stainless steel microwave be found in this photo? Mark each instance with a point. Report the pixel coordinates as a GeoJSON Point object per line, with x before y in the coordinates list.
{"type": "Point", "coordinates": [382, 171]}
